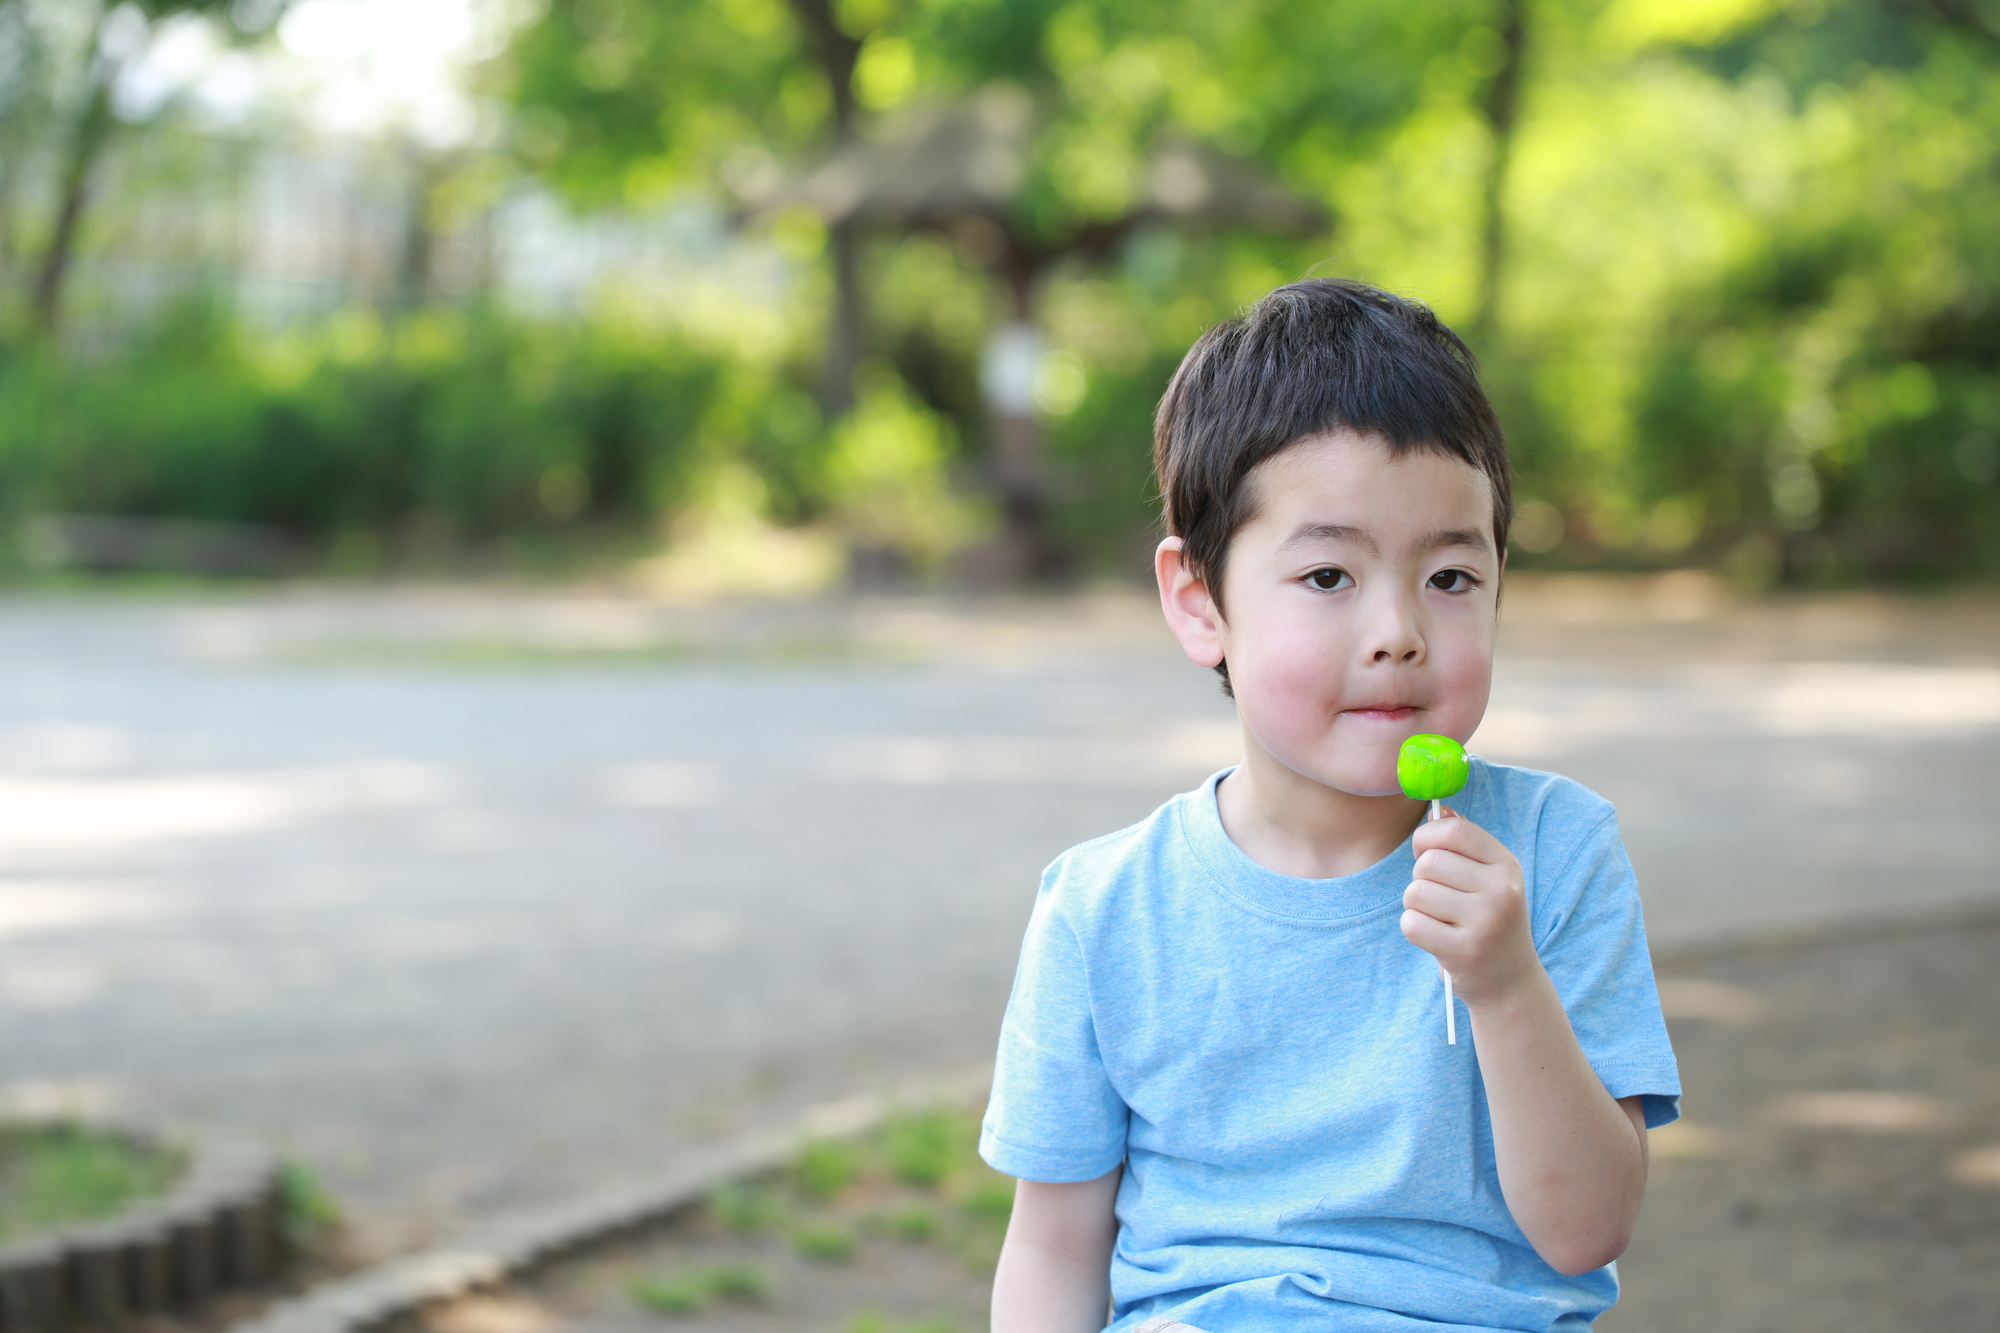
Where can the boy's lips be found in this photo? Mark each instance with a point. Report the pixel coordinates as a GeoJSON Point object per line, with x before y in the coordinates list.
{"type": "Point", "coordinates": [1383, 712]}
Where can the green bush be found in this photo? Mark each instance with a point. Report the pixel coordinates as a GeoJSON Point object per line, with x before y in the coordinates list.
{"type": "Point", "coordinates": [441, 430]}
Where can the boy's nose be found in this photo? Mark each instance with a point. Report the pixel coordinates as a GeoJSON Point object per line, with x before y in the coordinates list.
{"type": "Point", "coordinates": [1393, 636]}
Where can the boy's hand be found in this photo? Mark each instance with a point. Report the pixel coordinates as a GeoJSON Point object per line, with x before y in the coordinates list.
{"type": "Point", "coordinates": [1467, 908]}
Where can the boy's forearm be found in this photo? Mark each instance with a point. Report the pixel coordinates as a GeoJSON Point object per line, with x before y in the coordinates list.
{"type": "Point", "coordinates": [1572, 1161]}
{"type": "Point", "coordinates": [1054, 1274]}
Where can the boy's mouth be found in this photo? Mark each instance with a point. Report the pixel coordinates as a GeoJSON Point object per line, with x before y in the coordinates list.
{"type": "Point", "coordinates": [1384, 712]}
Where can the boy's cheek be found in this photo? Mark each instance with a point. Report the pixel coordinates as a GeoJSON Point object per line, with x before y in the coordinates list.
{"type": "Point", "coordinates": [1466, 683]}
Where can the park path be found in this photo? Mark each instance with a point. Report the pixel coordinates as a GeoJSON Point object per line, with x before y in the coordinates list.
{"type": "Point", "coordinates": [471, 898]}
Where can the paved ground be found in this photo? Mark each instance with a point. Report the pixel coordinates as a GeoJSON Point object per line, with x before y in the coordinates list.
{"type": "Point", "coordinates": [470, 898]}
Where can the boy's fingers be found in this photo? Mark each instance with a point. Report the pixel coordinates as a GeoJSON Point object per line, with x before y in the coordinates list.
{"type": "Point", "coordinates": [1454, 870]}
{"type": "Point", "coordinates": [1459, 835]}
{"type": "Point", "coordinates": [1434, 937]}
{"type": "Point", "coordinates": [1426, 932]}
{"type": "Point", "coordinates": [1436, 901]}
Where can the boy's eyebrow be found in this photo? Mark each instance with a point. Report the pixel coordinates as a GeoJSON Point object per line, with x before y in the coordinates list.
{"type": "Point", "coordinates": [1306, 534]}
{"type": "Point", "coordinates": [1444, 537]}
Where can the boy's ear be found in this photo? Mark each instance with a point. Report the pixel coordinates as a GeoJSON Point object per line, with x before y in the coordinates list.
{"type": "Point", "coordinates": [1191, 613]}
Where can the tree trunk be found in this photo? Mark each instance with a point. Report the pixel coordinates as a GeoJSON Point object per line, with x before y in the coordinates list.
{"type": "Point", "coordinates": [1500, 103]}
{"type": "Point", "coordinates": [835, 52]}
{"type": "Point", "coordinates": [845, 333]}
{"type": "Point", "coordinates": [416, 259]}
{"type": "Point", "coordinates": [93, 130]}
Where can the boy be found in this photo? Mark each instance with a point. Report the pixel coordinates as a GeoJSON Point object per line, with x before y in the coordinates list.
{"type": "Point", "coordinates": [1223, 1080]}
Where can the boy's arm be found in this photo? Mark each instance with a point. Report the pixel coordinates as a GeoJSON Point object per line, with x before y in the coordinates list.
{"type": "Point", "coordinates": [1572, 1161]}
{"type": "Point", "coordinates": [1054, 1274]}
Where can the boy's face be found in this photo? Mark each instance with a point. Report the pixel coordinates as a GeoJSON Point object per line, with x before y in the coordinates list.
{"type": "Point", "coordinates": [1359, 608]}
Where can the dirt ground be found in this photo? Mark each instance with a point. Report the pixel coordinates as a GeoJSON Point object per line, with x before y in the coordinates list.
{"type": "Point", "coordinates": [1838, 1166]}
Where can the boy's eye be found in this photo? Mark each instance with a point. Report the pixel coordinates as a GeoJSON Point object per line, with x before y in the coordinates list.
{"type": "Point", "coordinates": [1453, 580]}
{"type": "Point", "coordinates": [1329, 579]}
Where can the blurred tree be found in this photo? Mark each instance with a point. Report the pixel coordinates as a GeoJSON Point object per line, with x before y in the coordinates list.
{"type": "Point", "coordinates": [80, 104]}
{"type": "Point", "coordinates": [1506, 53]}
{"type": "Point", "coordinates": [623, 99]}
{"type": "Point", "coordinates": [1730, 264]}
{"type": "Point", "coordinates": [1768, 331]}
{"type": "Point", "coordinates": [620, 99]}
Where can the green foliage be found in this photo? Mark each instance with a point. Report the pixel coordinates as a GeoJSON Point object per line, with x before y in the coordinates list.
{"type": "Point", "coordinates": [885, 482]}
{"type": "Point", "coordinates": [55, 1174]}
{"type": "Point", "coordinates": [874, 1321]}
{"type": "Point", "coordinates": [747, 1208]}
{"type": "Point", "coordinates": [825, 1167]}
{"type": "Point", "coordinates": [1745, 313]}
{"type": "Point", "coordinates": [990, 1201]}
{"type": "Point", "coordinates": [438, 431]}
{"type": "Point", "coordinates": [1745, 309]}
{"type": "Point", "coordinates": [693, 1290]}
{"type": "Point", "coordinates": [916, 1224]}
{"type": "Point", "coordinates": [308, 1211]}
{"type": "Point", "coordinates": [828, 1242]}
{"type": "Point", "coordinates": [924, 1148]}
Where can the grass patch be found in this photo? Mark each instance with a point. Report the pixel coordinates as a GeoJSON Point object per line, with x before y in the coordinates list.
{"type": "Point", "coordinates": [923, 1149]}
{"type": "Point", "coordinates": [828, 1242]}
{"type": "Point", "coordinates": [695, 1289]}
{"type": "Point", "coordinates": [914, 1223]}
{"type": "Point", "coordinates": [874, 1321]}
{"type": "Point", "coordinates": [826, 1167]}
{"type": "Point", "coordinates": [307, 1210]}
{"type": "Point", "coordinates": [748, 1209]}
{"type": "Point", "coordinates": [989, 1201]}
{"type": "Point", "coordinates": [54, 1174]}
{"type": "Point", "coordinates": [916, 1180]}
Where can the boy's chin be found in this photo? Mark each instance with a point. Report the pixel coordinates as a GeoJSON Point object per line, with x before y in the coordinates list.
{"type": "Point", "coordinates": [1368, 784]}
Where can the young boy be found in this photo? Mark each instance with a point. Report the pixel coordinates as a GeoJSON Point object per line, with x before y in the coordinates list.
{"type": "Point", "coordinates": [1223, 1079]}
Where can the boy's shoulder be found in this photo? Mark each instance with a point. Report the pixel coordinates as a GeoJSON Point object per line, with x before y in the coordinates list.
{"type": "Point", "coordinates": [1091, 877]}
{"type": "Point", "coordinates": [1530, 802]}
{"type": "Point", "coordinates": [1564, 834]}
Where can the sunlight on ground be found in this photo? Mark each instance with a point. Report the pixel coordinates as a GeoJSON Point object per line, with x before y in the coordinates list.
{"type": "Point", "coordinates": [100, 813]}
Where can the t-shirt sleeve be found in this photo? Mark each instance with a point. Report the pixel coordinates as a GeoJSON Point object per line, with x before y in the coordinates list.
{"type": "Point", "coordinates": [1593, 944]}
{"type": "Point", "coordinates": [1054, 1115]}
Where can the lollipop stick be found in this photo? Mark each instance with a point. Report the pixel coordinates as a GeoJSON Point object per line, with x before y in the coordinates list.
{"type": "Point", "coordinates": [1450, 1010]}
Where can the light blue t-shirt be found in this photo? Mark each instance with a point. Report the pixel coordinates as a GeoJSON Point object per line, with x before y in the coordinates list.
{"type": "Point", "coordinates": [1267, 1057]}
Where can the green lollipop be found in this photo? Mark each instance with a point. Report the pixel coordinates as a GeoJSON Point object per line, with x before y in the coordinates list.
{"type": "Point", "coordinates": [1430, 768]}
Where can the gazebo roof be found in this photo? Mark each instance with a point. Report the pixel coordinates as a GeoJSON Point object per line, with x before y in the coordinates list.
{"type": "Point", "coordinates": [971, 156]}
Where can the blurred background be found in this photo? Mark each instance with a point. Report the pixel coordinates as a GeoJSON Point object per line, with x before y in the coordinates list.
{"type": "Point", "coordinates": [799, 291]}
{"type": "Point", "coordinates": [565, 563]}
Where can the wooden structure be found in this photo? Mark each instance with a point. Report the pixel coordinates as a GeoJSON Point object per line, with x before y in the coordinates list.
{"type": "Point", "coordinates": [958, 170]}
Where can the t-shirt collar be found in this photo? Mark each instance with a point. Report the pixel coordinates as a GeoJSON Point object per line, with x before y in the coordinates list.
{"type": "Point", "coordinates": [1344, 901]}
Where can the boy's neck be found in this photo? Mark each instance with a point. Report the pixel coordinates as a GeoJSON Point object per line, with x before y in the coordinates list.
{"type": "Point", "coordinates": [1289, 823]}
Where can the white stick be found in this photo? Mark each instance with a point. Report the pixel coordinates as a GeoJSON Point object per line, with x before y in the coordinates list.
{"type": "Point", "coordinates": [1450, 1009]}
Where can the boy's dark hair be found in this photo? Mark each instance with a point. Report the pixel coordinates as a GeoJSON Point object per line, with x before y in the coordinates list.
{"type": "Point", "coordinates": [1310, 358]}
